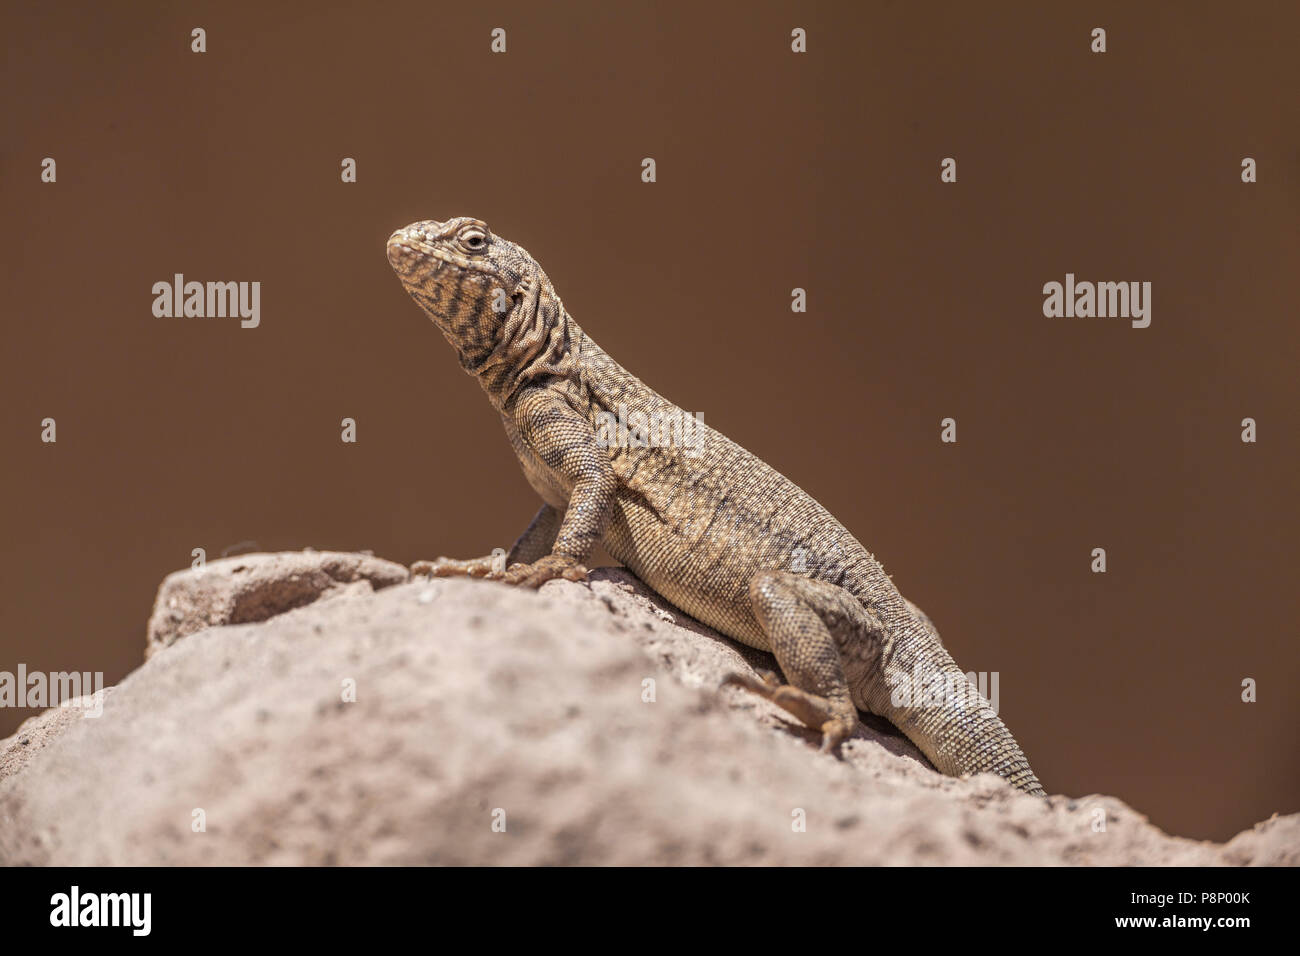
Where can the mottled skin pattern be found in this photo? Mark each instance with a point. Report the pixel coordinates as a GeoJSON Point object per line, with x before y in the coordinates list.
{"type": "Point", "coordinates": [711, 527]}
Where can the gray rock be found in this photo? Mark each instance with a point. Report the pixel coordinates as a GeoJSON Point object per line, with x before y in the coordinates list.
{"type": "Point", "coordinates": [477, 704]}
{"type": "Point", "coordinates": [254, 587]}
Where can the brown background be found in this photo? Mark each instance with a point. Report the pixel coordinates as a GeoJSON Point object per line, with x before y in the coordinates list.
{"type": "Point", "coordinates": [775, 171]}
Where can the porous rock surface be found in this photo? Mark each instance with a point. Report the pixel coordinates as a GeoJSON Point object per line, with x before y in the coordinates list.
{"type": "Point", "coordinates": [321, 708]}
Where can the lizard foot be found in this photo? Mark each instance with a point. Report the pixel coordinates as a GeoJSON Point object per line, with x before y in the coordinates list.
{"type": "Point", "coordinates": [453, 568]}
{"type": "Point", "coordinates": [545, 569]}
{"type": "Point", "coordinates": [764, 685]}
{"type": "Point", "coordinates": [812, 710]}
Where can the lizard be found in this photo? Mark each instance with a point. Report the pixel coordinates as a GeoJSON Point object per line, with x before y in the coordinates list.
{"type": "Point", "coordinates": [709, 526]}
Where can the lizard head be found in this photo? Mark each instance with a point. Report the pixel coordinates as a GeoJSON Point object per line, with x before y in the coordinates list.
{"type": "Point", "coordinates": [463, 277]}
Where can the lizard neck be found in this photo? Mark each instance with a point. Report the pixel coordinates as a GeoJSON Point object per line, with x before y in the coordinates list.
{"type": "Point", "coordinates": [538, 346]}
{"type": "Point", "coordinates": [545, 346]}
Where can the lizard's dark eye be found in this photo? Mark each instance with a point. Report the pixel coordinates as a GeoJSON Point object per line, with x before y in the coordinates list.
{"type": "Point", "coordinates": [475, 240]}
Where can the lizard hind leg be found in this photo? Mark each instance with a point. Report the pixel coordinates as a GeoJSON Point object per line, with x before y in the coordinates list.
{"type": "Point", "coordinates": [811, 625]}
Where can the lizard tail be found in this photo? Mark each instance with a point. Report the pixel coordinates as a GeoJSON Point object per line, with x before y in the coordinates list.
{"type": "Point", "coordinates": [933, 702]}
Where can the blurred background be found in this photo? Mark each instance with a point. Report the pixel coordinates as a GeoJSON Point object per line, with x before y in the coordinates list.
{"type": "Point", "coordinates": [775, 170]}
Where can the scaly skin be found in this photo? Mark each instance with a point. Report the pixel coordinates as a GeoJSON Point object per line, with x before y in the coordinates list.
{"type": "Point", "coordinates": [703, 522]}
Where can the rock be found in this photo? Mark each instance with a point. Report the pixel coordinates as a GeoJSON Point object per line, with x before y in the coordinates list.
{"type": "Point", "coordinates": [254, 587]}
{"type": "Point", "coordinates": [1275, 842]}
{"type": "Point", "coordinates": [583, 721]}
{"type": "Point", "coordinates": [36, 733]}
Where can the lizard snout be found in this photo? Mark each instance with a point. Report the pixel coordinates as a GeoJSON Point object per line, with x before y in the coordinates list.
{"type": "Point", "coordinates": [400, 251]}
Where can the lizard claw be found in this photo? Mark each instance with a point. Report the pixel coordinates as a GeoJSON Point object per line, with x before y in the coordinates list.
{"type": "Point", "coordinates": [764, 685]}
{"type": "Point", "coordinates": [833, 732]}
{"type": "Point", "coordinates": [813, 711]}
{"type": "Point", "coordinates": [453, 568]}
{"type": "Point", "coordinates": [540, 571]}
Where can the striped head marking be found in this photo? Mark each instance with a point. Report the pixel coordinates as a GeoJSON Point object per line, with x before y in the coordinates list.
{"type": "Point", "coordinates": [463, 277]}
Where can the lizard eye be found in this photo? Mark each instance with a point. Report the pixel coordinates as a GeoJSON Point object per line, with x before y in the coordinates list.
{"type": "Point", "coordinates": [474, 239]}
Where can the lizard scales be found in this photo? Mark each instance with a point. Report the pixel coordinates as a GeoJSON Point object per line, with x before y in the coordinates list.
{"type": "Point", "coordinates": [705, 523]}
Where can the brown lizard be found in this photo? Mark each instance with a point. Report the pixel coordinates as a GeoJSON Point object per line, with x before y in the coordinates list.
{"type": "Point", "coordinates": [708, 525]}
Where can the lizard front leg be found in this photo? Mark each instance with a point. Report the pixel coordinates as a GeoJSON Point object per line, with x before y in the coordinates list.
{"type": "Point", "coordinates": [565, 445]}
{"type": "Point", "coordinates": [536, 541]}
